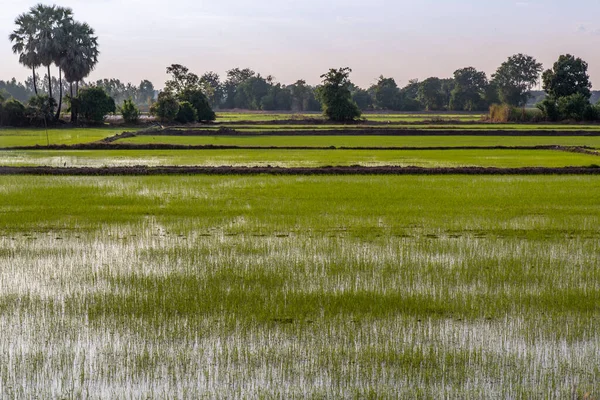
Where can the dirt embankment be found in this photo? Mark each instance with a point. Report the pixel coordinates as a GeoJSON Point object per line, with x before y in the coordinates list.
{"type": "Point", "coordinates": [426, 131]}
{"type": "Point", "coordinates": [268, 170]}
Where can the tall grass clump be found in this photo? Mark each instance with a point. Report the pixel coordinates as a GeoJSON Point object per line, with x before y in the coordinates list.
{"type": "Point", "coordinates": [500, 113]}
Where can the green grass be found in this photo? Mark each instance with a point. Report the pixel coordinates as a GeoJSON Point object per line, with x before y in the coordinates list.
{"type": "Point", "coordinates": [13, 137]}
{"type": "Point", "coordinates": [381, 117]}
{"type": "Point", "coordinates": [299, 287]}
{"type": "Point", "coordinates": [297, 158]}
{"type": "Point", "coordinates": [369, 141]}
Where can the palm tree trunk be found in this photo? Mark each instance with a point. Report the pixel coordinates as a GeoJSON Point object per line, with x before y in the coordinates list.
{"type": "Point", "coordinates": [57, 116]}
{"type": "Point", "coordinates": [34, 81]}
{"type": "Point", "coordinates": [73, 116]}
{"type": "Point", "coordinates": [49, 82]}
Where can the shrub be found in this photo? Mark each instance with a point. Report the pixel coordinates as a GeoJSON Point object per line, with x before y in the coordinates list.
{"type": "Point", "coordinates": [591, 113]}
{"type": "Point", "coordinates": [94, 104]}
{"type": "Point", "coordinates": [40, 109]}
{"type": "Point", "coordinates": [573, 106]}
{"type": "Point", "coordinates": [129, 111]}
{"type": "Point", "coordinates": [165, 108]}
{"type": "Point", "coordinates": [549, 110]}
{"type": "Point", "coordinates": [187, 113]}
{"type": "Point", "coordinates": [200, 103]}
{"type": "Point", "coordinates": [506, 113]}
{"type": "Point", "coordinates": [13, 113]}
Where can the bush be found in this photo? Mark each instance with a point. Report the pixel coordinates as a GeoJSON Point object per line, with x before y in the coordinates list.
{"type": "Point", "coordinates": [506, 113]}
{"type": "Point", "coordinates": [187, 113]}
{"type": "Point", "coordinates": [165, 108]}
{"type": "Point", "coordinates": [13, 113]}
{"type": "Point", "coordinates": [95, 104]}
{"type": "Point", "coordinates": [200, 103]}
{"type": "Point", "coordinates": [573, 106]}
{"type": "Point", "coordinates": [129, 111]}
{"type": "Point", "coordinates": [549, 110]}
{"type": "Point", "coordinates": [591, 113]}
{"type": "Point", "coordinates": [40, 109]}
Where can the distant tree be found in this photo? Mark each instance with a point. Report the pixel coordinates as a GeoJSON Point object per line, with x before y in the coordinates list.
{"type": "Point", "coordinates": [94, 104]}
{"type": "Point", "coordinates": [515, 78]}
{"type": "Point", "coordinates": [24, 41]}
{"type": "Point", "coordinates": [336, 97]}
{"type": "Point", "coordinates": [387, 94]}
{"type": "Point", "coordinates": [129, 111]}
{"type": "Point", "coordinates": [253, 90]}
{"type": "Point", "coordinates": [567, 77]}
{"type": "Point", "coordinates": [186, 87]}
{"type": "Point", "coordinates": [212, 88]}
{"type": "Point", "coordinates": [186, 113]}
{"type": "Point", "coordinates": [16, 89]}
{"type": "Point", "coordinates": [166, 107]}
{"type": "Point", "coordinates": [13, 113]}
{"type": "Point", "coordinates": [362, 98]}
{"type": "Point", "coordinates": [469, 90]}
{"type": "Point", "coordinates": [409, 96]}
{"type": "Point", "coordinates": [145, 93]}
{"type": "Point", "coordinates": [430, 94]}
{"type": "Point", "coordinates": [235, 98]}
{"type": "Point", "coordinates": [304, 97]}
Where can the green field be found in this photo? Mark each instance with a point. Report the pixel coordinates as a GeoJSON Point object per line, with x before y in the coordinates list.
{"type": "Point", "coordinates": [299, 287]}
{"type": "Point", "coordinates": [368, 141]}
{"type": "Point", "coordinates": [14, 137]}
{"type": "Point", "coordinates": [297, 158]}
{"type": "Point", "coordinates": [379, 117]}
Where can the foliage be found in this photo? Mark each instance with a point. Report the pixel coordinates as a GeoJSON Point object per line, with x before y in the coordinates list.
{"type": "Point", "coordinates": [515, 78]}
{"type": "Point", "coordinates": [336, 97]}
{"type": "Point", "coordinates": [549, 109]}
{"type": "Point", "coordinates": [13, 113]}
{"type": "Point", "coordinates": [567, 77]}
{"type": "Point", "coordinates": [200, 103]}
{"type": "Point", "coordinates": [165, 108]}
{"type": "Point", "coordinates": [186, 87]}
{"type": "Point", "coordinates": [187, 113]}
{"type": "Point", "coordinates": [94, 104]}
{"type": "Point", "coordinates": [430, 94]}
{"type": "Point", "coordinates": [501, 113]}
{"type": "Point", "coordinates": [40, 109]}
{"type": "Point", "coordinates": [469, 90]}
{"type": "Point", "coordinates": [362, 98]}
{"type": "Point", "coordinates": [386, 94]}
{"type": "Point", "coordinates": [130, 112]}
{"type": "Point", "coordinates": [572, 106]}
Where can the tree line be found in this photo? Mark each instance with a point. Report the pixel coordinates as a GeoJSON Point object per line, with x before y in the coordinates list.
{"type": "Point", "coordinates": [49, 35]}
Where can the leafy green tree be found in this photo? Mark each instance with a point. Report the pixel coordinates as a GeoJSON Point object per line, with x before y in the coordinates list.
{"type": "Point", "coordinates": [387, 94]}
{"type": "Point", "coordinates": [567, 77]}
{"type": "Point", "coordinates": [234, 98]}
{"type": "Point", "coordinates": [515, 78]}
{"type": "Point", "coordinates": [130, 112]}
{"type": "Point", "coordinates": [94, 104]}
{"type": "Point", "coordinates": [336, 97]}
{"type": "Point", "coordinates": [212, 88]}
{"type": "Point", "coordinates": [469, 90]}
{"type": "Point", "coordinates": [186, 87]}
{"type": "Point", "coordinates": [409, 96]}
{"type": "Point", "coordinates": [145, 93]}
{"type": "Point", "coordinates": [187, 113]}
{"type": "Point", "coordinates": [304, 97]}
{"type": "Point", "coordinates": [430, 94]}
{"type": "Point", "coordinates": [362, 98]}
{"type": "Point", "coordinates": [165, 108]}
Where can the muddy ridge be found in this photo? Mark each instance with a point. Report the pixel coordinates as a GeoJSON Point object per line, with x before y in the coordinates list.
{"type": "Point", "coordinates": [268, 170]}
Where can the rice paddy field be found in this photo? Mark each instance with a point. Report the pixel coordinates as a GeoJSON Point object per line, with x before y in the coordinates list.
{"type": "Point", "coordinates": [322, 287]}
{"type": "Point", "coordinates": [294, 287]}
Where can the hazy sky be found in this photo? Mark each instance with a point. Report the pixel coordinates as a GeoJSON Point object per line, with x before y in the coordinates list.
{"type": "Point", "coordinates": [302, 39]}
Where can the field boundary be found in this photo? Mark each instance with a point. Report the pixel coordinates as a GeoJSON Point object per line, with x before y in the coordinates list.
{"type": "Point", "coordinates": [358, 132]}
{"type": "Point", "coordinates": [111, 145]}
{"type": "Point", "coordinates": [269, 170]}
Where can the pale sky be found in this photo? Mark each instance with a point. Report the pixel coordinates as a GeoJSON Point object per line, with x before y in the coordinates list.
{"type": "Point", "coordinates": [303, 39]}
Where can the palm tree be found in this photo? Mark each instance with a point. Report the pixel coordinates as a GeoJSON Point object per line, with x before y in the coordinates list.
{"type": "Point", "coordinates": [24, 40]}
{"type": "Point", "coordinates": [48, 22]}
{"type": "Point", "coordinates": [79, 57]}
